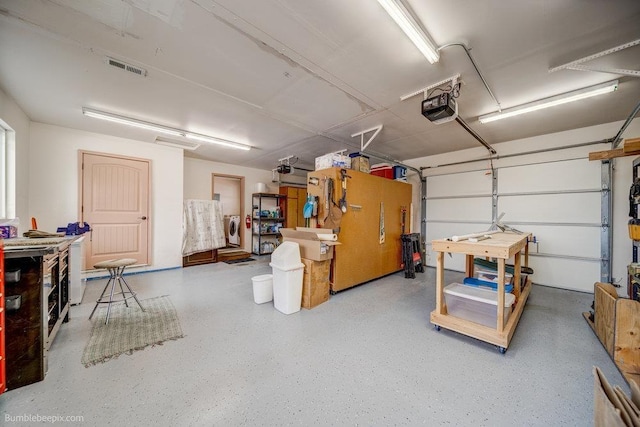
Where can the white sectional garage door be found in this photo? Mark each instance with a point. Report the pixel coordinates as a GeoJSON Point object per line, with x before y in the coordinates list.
{"type": "Point", "coordinates": [558, 201]}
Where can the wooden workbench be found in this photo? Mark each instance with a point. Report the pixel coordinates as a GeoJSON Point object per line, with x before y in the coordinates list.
{"type": "Point", "coordinates": [501, 246]}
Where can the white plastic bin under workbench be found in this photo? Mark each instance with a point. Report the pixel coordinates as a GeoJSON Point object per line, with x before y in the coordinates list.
{"type": "Point", "coordinates": [476, 304]}
{"type": "Point", "coordinates": [288, 271]}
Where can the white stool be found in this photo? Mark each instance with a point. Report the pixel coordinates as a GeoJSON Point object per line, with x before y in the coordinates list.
{"type": "Point", "coordinates": [116, 268]}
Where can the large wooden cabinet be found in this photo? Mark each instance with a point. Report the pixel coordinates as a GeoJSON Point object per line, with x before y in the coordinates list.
{"type": "Point", "coordinates": [293, 205]}
{"type": "Point", "coordinates": [362, 256]}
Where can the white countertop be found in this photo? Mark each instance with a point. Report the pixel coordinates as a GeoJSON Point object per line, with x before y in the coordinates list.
{"type": "Point", "coordinates": [39, 241]}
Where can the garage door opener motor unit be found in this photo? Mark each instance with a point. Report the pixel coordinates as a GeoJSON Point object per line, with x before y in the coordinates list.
{"type": "Point", "coordinates": [439, 109]}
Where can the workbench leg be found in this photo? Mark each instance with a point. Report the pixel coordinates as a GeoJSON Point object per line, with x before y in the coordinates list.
{"type": "Point", "coordinates": [517, 274]}
{"type": "Point", "coordinates": [440, 308]}
{"type": "Point", "coordinates": [469, 266]}
{"type": "Point", "coordinates": [500, 325]}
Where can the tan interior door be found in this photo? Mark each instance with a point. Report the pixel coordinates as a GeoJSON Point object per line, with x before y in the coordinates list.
{"type": "Point", "coordinates": [115, 203]}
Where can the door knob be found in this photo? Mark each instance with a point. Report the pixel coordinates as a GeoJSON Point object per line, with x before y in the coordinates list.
{"type": "Point", "coordinates": [142, 218]}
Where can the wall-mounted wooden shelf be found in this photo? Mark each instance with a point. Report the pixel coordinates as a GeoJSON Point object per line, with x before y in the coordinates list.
{"type": "Point", "coordinates": [631, 147]}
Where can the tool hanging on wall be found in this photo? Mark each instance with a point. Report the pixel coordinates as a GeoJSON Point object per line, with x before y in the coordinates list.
{"type": "Point", "coordinates": [328, 191]}
{"type": "Point", "coordinates": [403, 216]}
{"type": "Point", "coordinates": [307, 210]}
{"type": "Point", "coordinates": [325, 190]}
{"type": "Point", "coordinates": [634, 197]}
{"type": "Point", "coordinates": [343, 200]}
{"type": "Point", "coordinates": [382, 232]}
{"type": "Point", "coordinates": [334, 213]}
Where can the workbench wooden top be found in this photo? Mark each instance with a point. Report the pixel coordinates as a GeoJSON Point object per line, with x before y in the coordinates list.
{"type": "Point", "coordinates": [500, 245]}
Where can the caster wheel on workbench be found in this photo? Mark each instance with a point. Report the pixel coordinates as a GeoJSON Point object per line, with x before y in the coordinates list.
{"type": "Point", "coordinates": [436, 327]}
{"type": "Point", "coordinates": [502, 350]}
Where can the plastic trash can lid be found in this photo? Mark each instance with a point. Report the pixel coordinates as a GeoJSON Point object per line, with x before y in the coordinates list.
{"type": "Point", "coordinates": [286, 257]}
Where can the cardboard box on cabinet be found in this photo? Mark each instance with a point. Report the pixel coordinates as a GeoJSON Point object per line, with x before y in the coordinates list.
{"type": "Point", "coordinates": [361, 163]}
{"type": "Point", "coordinates": [333, 160]}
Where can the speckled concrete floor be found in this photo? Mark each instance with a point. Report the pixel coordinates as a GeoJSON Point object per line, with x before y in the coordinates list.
{"type": "Point", "coordinates": [366, 357]}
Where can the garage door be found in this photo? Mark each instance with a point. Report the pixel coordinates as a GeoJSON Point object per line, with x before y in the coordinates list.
{"type": "Point", "coordinates": [558, 201]}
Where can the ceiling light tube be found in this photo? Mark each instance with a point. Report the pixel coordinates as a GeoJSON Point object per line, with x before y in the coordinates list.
{"type": "Point", "coordinates": [218, 141]}
{"type": "Point", "coordinates": [131, 122]}
{"type": "Point", "coordinates": [411, 28]}
{"type": "Point", "coordinates": [185, 145]}
{"type": "Point", "coordinates": [564, 98]}
{"type": "Point", "coordinates": [89, 112]}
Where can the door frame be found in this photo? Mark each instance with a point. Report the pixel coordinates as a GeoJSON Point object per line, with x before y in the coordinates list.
{"type": "Point", "coordinates": [241, 195]}
{"type": "Point", "coordinates": [149, 220]}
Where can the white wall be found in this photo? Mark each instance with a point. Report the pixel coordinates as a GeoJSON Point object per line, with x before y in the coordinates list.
{"type": "Point", "coordinates": [197, 184]}
{"type": "Point", "coordinates": [17, 120]}
{"type": "Point", "coordinates": [621, 255]}
{"type": "Point", "coordinates": [53, 183]}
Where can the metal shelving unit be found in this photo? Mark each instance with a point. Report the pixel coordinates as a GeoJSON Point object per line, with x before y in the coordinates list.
{"type": "Point", "coordinates": [264, 236]}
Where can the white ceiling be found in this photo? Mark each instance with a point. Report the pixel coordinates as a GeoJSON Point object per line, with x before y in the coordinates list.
{"type": "Point", "coordinates": [299, 77]}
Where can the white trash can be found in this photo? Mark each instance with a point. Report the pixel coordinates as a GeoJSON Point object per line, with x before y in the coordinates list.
{"type": "Point", "coordinates": [262, 288]}
{"type": "Point", "coordinates": [288, 273]}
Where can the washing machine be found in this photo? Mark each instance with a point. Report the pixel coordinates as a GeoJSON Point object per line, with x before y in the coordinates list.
{"type": "Point", "coordinates": [234, 230]}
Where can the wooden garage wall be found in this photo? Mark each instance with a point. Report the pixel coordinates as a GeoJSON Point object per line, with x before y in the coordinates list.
{"type": "Point", "coordinates": [556, 196]}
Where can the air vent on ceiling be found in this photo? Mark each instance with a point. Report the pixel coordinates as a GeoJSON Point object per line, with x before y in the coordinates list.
{"type": "Point", "coordinates": [126, 67]}
{"type": "Point", "coordinates": [187, 145]}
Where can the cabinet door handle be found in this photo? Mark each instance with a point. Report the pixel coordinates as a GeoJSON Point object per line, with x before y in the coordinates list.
{"type": "Point", "coordinates": [142, 218]}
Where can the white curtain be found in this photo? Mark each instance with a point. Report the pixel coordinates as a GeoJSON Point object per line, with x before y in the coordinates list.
{"type": "Point", "coordinates": [202, 226]}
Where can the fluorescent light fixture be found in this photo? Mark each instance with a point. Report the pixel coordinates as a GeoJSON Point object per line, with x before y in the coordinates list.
{"type": "Point", "coordinates": [116, 118]}
{"type": "Point", "coordinates": [411, 28]}
{"type": "Point", "coordinates": [219, 141]}
{"type": "Point", "coordinates": [130, 122]}
{"type": "Point", "coordinates": [564, 98]}
{"type": "Point", "coordinates": [185, 145]}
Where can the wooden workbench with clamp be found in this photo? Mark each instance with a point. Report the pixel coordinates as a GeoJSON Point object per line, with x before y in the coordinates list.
{"type": "Point", "coordinates": [502, 246]}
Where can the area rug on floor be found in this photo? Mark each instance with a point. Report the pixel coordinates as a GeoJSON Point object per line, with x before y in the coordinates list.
{"type": "Point", "coordinates": [236, 261]}
{"type": "Point", "coordinates": [130, 329]}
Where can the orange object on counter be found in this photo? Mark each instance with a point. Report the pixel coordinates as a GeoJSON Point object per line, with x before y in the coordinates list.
{"type": "Point", "coordinates": [34, 223]}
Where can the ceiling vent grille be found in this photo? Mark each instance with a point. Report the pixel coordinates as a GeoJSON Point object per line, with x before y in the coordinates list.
{"type": "Point", "coordinates": [126, 67]}
{"type": "Point", "coordinates": [186, 145]}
